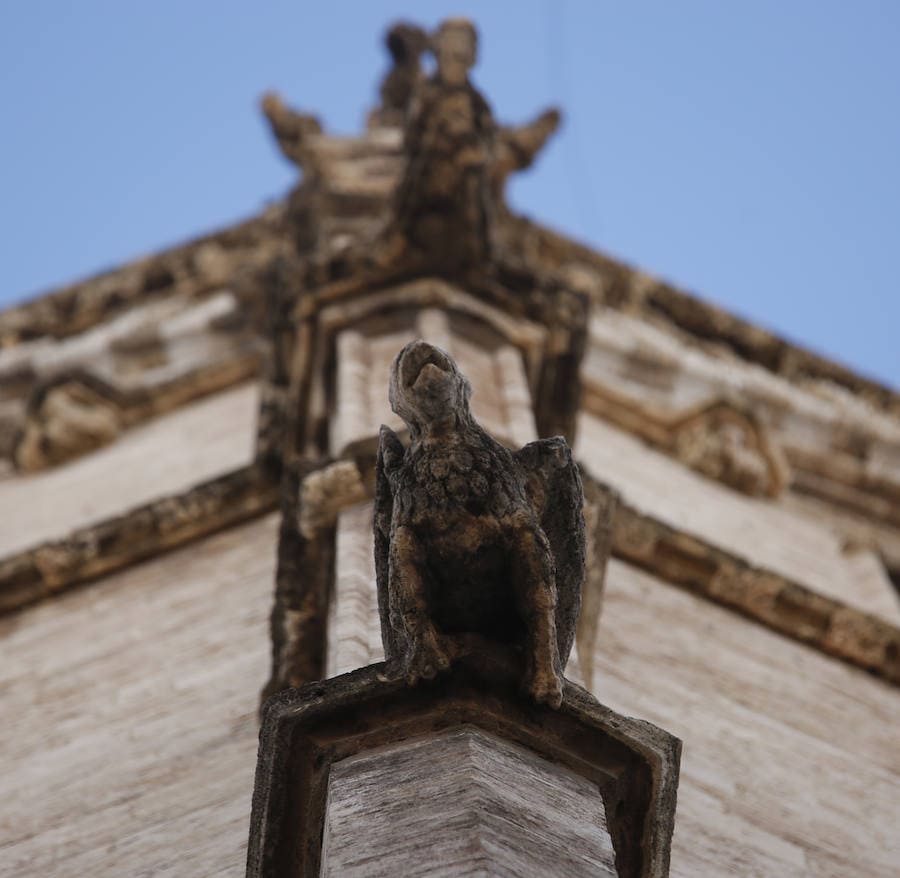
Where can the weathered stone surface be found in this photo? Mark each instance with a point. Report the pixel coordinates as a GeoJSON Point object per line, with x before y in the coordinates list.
{"type": "Point", "coordinates": [729, 445]}
{"type": "Point", "coordinates": [129, 716]}
{"type": "Point", "coordinates": [627, 289]}
{"type": "Point", "coordinates": [497, 365]}
{"type": "Point", "coordinates": [518, 147]}
{"type": "Point", "coordinates": [306, 732]}
{"type": "Point", "coordinates": [845, 632]}
{"type": "Point", "coordinates": [756, 431]}
{"type": "Point", "coordinates": [325, 492]}
{"type": "Point", "coordinates": [354, 629]}
{"type": "Point", "coordinates": [530, 369]}
{"type": "Point", "coordinates": [69, 418]}
{"type": "Point", "coordinates": [302, 584]}
{"type": "Point", "coordinates": [458, 803]}
{"type": "Point", "coordinates": [470, 537]}
{"type": "Point", "coordinates": [194, 269]}
{"type": "Point", "coordinates": [292, 130]}
{"type": "Point", "coordinates": [312, 499]}
{"type": "Point", "coordinates": [442, 208]}
{"type": "Point", "coordinates": [151, 720]}
{"type": "Point", "coordinates": [790, 765]}
{"type": "Point", "coordinates": [794, 769]}
{"type": "Point", "coordinates": [600, 504]}
{"type": "Point", "coordinates": [354, 636]}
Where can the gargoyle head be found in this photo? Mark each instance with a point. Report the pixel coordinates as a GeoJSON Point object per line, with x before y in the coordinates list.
{"type": "Point", "coordinates": [427, 387]}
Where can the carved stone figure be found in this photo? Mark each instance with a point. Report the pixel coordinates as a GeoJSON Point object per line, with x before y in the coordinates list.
{"type": "Point", "coordinates": [729, 444]}
{"type": "Point", "coordinates": [470, 537]}
{"type": "Point", "coordinates": [442, 203]}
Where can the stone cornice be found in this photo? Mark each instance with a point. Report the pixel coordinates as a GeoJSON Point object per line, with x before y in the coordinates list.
{"type": "Point", "coordinates": [115, 543]}
{"type": "Point", "coordinates": [769, 598]}
{"type": "Point", "coordinates": [194, 268]}
{"type": "Point", "coordinates": [629, 289]}
{"type": "Point", "coordinates": [251, 243]}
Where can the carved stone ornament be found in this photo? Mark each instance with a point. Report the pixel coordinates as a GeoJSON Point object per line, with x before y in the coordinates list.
{"type": "Point", "coordinates": [66, 418]}
{"type": "Point", "coordinates": [472, 539]}
{"type": "Point", "coordinates": [442, 206]}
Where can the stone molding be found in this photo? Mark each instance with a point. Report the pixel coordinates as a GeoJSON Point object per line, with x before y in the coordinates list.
{"type": "Point", "coordinates": [720, 439]}
{"type": "Point", "coordinates": [625, 288]}
{"type": "Point", "coordinates": [63, 312]}
{"type": "Point", "coordinates": [538, 314]}
{"type": "Point", "coordinates": [118, 542]}
{"type": "Point", "coordinates": [739, 424]}
{"type": "Point", "coordinates": [773, 600]}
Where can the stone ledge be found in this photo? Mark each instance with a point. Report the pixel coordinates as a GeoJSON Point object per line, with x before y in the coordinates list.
{"type": "Point", "coordinates": [305, 731]}
{"type": "Point", "coordinates": [146, 531]}
{"type": "Point", "coordinates": [777, 602]}
{"type": "Point", "coordinates": [193, 268]}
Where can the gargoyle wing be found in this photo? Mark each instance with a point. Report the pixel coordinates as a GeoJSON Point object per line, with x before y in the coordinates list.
{"type": "Point", "coordinates": [390, 454]}
{"type": "Point", "coordinates": [555, 490]}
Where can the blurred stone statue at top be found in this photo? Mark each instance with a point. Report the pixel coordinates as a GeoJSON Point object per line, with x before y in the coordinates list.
{"type": "Point", "coordinates": [455, 157]}
{"type": "Point", "coordinates": [458, 157]}
{"type": "Point", "coordinates": [441, 206]}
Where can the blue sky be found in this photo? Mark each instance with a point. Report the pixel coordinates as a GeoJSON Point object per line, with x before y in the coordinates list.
{"type": "Point", "coordinates": [748, 152]}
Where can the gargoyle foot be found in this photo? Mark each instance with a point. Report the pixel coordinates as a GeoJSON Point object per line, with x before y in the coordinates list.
{"type": "Point", "coordinates": [546, 687]}
{"type": "Point", "coordinates": [429, 655]}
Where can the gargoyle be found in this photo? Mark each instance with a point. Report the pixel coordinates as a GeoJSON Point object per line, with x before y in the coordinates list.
{"type": "Point", "coordinates": [470, 537]}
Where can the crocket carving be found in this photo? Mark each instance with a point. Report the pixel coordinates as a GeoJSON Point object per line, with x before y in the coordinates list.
{"type": "Point", "coordinates": [471, 537]}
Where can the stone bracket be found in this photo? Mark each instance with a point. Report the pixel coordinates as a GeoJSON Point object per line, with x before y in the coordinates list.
{"type": "Point", "coordinates": [305, 731]}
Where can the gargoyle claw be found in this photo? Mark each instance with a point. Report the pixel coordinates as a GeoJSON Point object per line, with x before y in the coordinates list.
{"type": "Point", "coordinates": [427, 658]}
{"type": "Point", "coordinates": [546, 688]}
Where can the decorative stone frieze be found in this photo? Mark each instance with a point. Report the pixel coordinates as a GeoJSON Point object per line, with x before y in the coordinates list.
{"type": "Point", "coordinates": [753, 430]}
{"type": "Point", "coordinates": [63, 398]}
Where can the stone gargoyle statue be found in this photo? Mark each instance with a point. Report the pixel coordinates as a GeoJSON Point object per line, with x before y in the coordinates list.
{"type": "Point", "coordinates": [470, 537]}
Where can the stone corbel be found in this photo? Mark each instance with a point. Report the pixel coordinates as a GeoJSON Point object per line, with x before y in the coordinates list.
{"type": "Point", "coordinates": [622, 774]}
